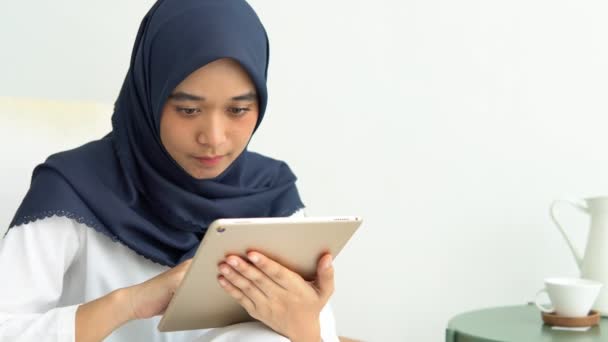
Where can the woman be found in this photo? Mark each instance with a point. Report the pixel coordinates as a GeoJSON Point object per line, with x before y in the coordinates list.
{"type": "Point", "coordinates": [106, 231]}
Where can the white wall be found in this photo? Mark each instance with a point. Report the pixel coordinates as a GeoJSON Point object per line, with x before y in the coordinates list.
{"type": "Point", "coordinates": [448, 125]}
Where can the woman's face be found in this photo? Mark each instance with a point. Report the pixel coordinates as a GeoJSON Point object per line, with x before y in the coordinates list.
{"type": "Point", "coordinates": [209, 118]}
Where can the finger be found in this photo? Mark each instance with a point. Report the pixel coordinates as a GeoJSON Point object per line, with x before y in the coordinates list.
{"type": "Point", "coordinates": [186, 263]}
{"type": "Point", "coordinates": [247, 287]}
{"type": "Point", "coordinates": [275, 271]}
{"type": "Point", "coordinates": [325, 276]}
{"type": "Point", "coordinates": [178, 272]}
{"type": "Point", "coordinates": [268, 287]}
{"type": "Point", "coordinates": [237, 294]}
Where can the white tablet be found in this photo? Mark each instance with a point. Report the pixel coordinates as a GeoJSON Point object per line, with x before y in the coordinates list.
{"type": "Point", "coordinates": [297, 243]}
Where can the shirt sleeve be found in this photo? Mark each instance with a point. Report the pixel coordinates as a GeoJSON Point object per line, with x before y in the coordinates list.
{"type": "Point", "coordinates": [299, 213]}
{"type": "Point", "coordinates": [328, 324]}
{"type": "Point", "coordinates": [33, 260]}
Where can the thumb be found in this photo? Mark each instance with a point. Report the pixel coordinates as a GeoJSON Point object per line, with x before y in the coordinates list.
{"type": "Point", "coordinates": [325, 276]}
{"type": "Point", "coordinates": [177, 273]}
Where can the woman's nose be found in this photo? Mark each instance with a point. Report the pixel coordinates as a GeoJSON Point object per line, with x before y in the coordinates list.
{"type": "Point", "coordinates": [212, 131]}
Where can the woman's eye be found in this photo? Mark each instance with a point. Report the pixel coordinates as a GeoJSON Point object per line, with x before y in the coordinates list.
{"type": "Point", "coordinates": [188, 111]}
{"type": "Point", "coordinates": [238, 111]}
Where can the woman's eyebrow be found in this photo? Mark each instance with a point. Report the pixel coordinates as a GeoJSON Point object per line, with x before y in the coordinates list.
{"type": "Point", "coordinates": [250, 96]}
{"type": "Point", "coordinates": [182, 96]}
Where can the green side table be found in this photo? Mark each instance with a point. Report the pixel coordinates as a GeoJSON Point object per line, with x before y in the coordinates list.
{"type": "Point", "coordinates": [520, 323]}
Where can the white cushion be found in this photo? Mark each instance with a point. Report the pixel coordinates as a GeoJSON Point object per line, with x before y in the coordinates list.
{"type": "Point", "coordinates": [33, 129]}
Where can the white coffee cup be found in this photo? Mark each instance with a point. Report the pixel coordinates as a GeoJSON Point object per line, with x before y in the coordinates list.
{"type": "Point", "coordinates": [570, 297]}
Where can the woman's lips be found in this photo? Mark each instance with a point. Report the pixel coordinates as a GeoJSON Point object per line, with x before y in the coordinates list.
{"type": "Point", "coordinates": [209, 161]}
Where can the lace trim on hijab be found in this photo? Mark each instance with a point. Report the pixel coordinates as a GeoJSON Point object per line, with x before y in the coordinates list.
{"type": "Point", "coordinates": [25, 220]}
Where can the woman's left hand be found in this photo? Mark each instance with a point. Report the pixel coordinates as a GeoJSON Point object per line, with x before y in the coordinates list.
{"type": "Point", "coordinates": [278, 297]}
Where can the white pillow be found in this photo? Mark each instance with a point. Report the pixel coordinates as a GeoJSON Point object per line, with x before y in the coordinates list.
{"type": "Point", "coordinates": [33, 129]}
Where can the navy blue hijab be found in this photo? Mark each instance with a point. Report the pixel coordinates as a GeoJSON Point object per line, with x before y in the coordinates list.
{"type": "Point", "coordinates": [126, 185]}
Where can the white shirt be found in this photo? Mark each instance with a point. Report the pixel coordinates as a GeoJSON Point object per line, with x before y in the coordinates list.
{"type": "Point", "coordinates": [50, 266]}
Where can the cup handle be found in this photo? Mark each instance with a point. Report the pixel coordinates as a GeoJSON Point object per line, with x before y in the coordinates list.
{"type": "Point", "coordinates": [543, 308]}
{"type": "Point", "coordinates": [578, 205]}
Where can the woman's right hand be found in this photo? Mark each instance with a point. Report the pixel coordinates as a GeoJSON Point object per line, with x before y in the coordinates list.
{"type": "Point", "coordinates": [97, 319]}
{"type": "Point", "coordinates": [151, 297]}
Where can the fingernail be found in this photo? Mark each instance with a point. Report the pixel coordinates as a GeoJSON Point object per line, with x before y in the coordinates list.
{"type": "Point", "coordinates": [328, 262]}
{"type": "Point", "coordinates": [233, 262]}
{"type": "Point", "coordinates": [224, 270]}
{"type": "Point", "coordinates": [222, 281]}
{"type": "Point", "coordinates": [253, 257]}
